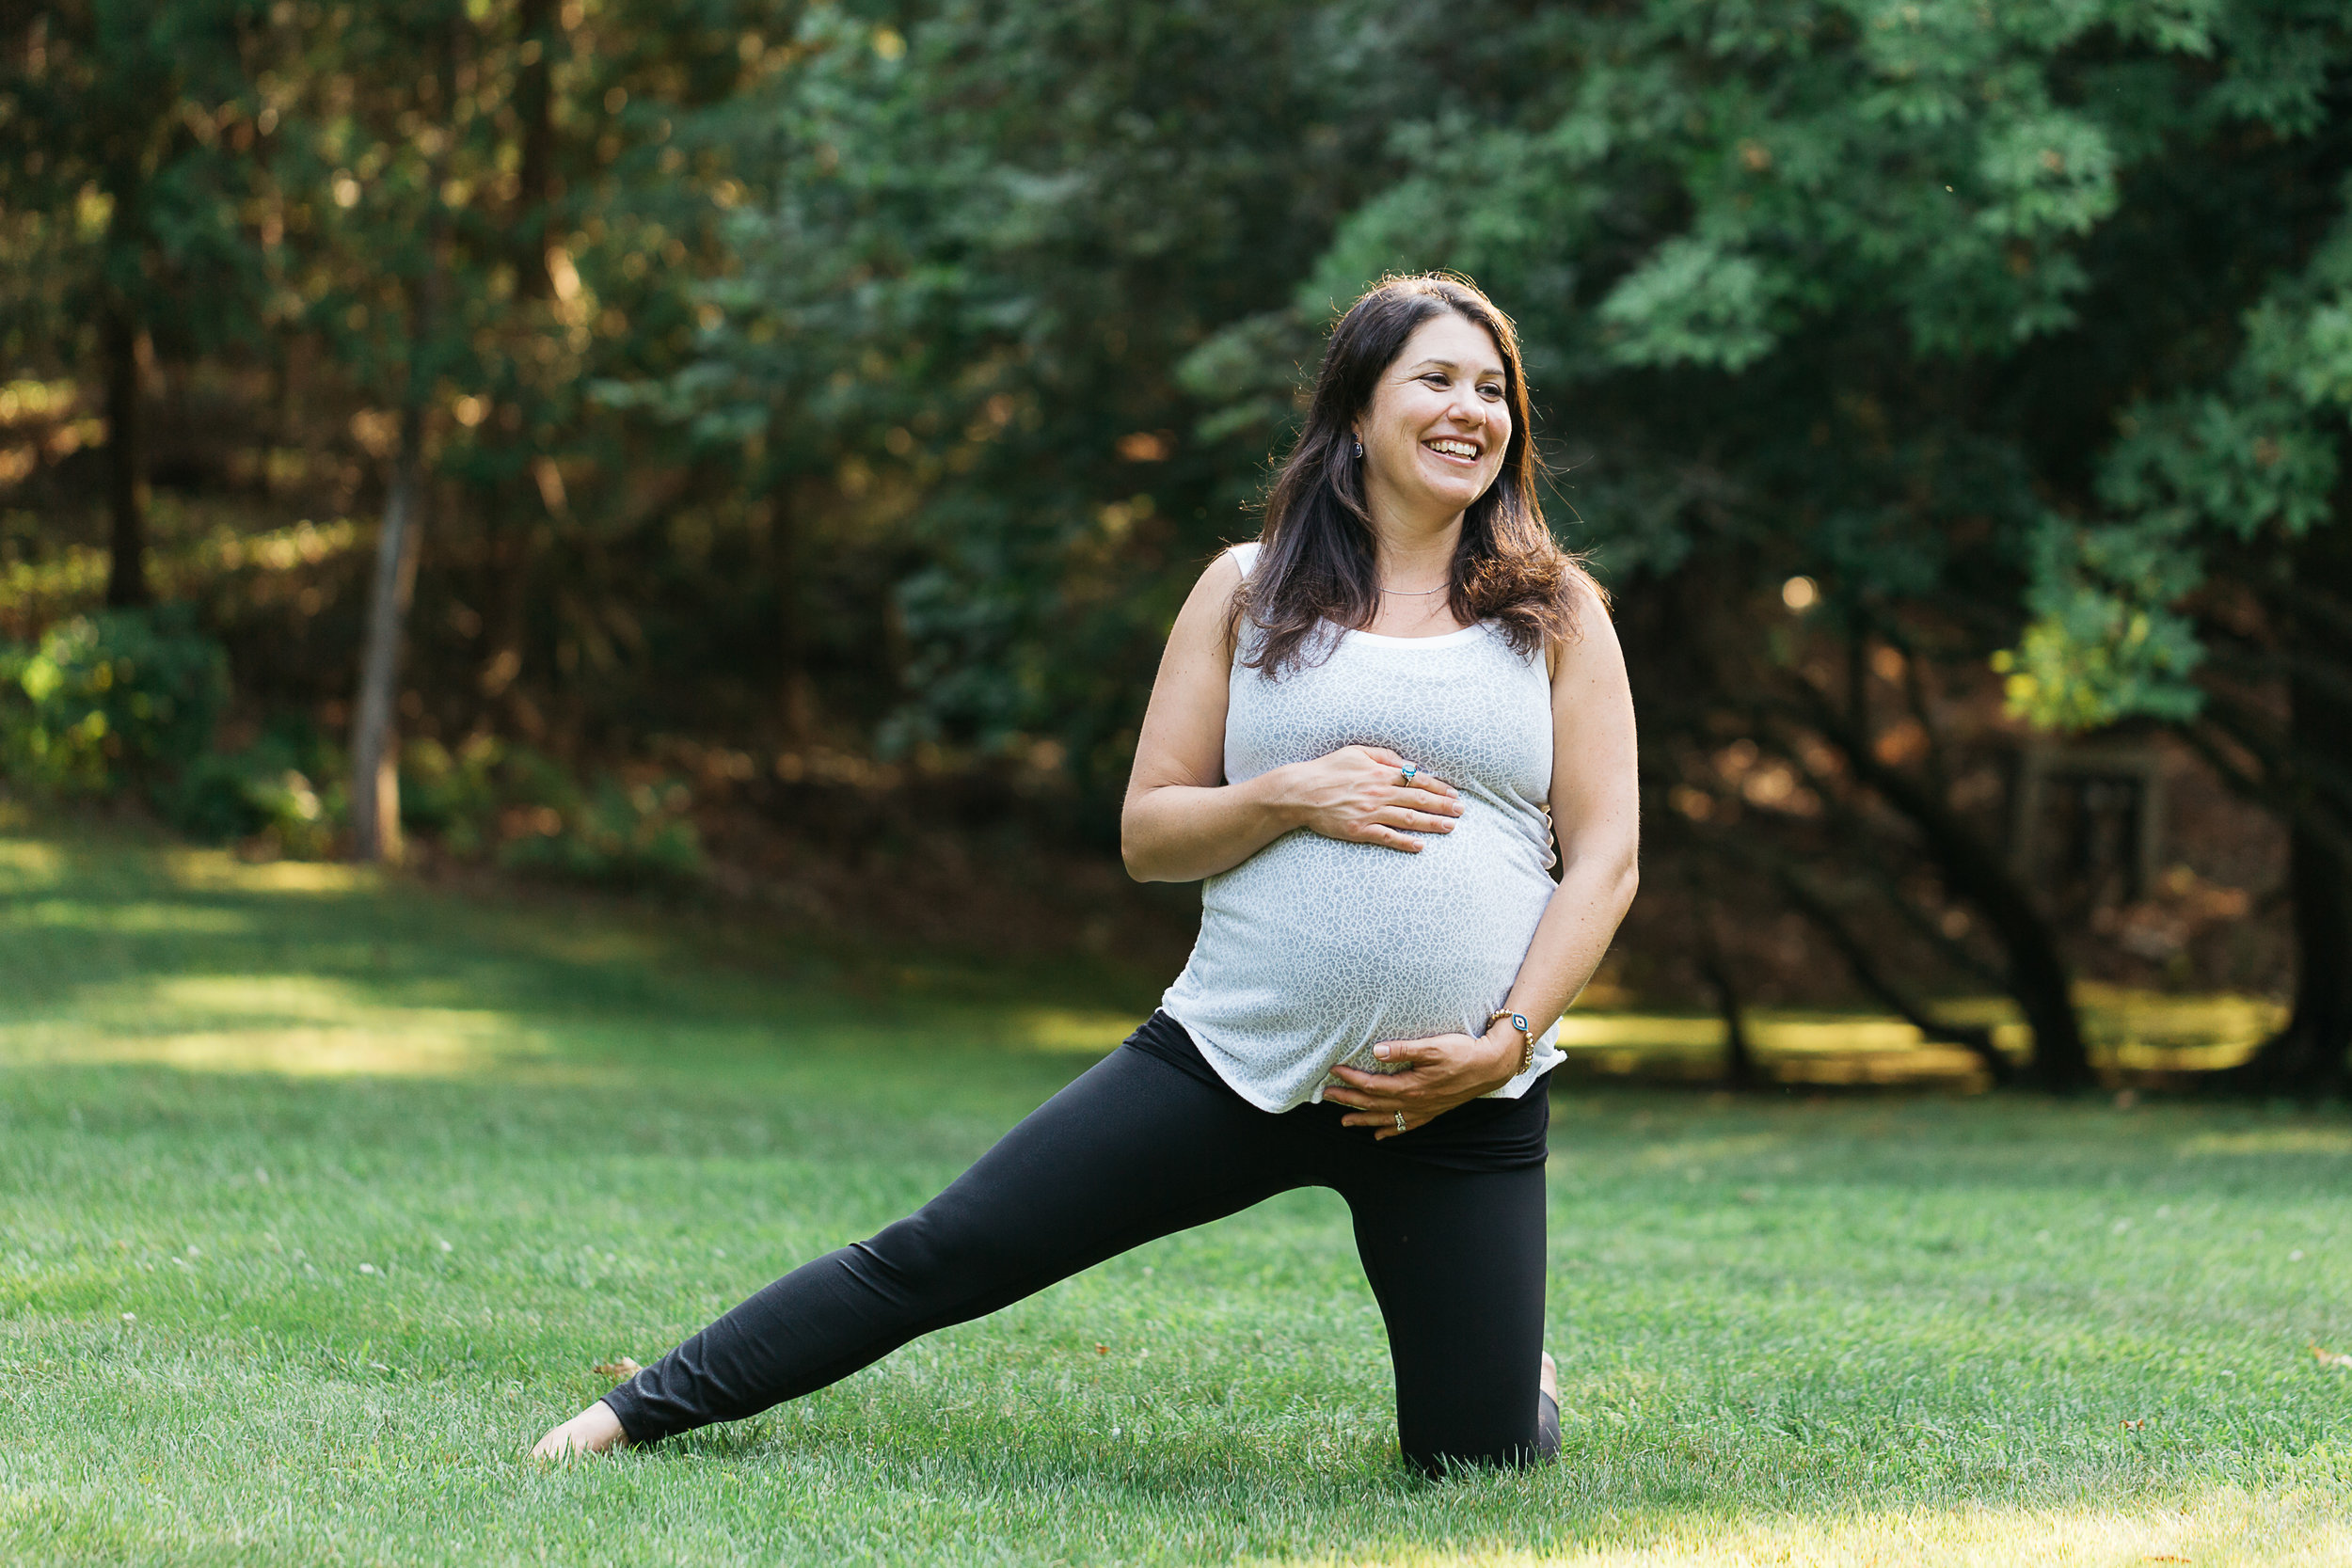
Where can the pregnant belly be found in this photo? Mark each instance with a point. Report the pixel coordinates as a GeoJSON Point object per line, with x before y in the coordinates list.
{"type": "Point", "coordinates": [1407, 943]}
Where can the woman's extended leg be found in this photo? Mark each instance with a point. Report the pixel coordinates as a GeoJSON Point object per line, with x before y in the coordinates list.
{"type": "Point", "coordinates": [1457, 1260]}
{"type": "Point", "coordinates": [1135, 1149]}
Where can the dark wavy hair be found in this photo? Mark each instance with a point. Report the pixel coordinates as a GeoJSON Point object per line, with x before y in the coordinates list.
{"type": "Point", "coordinates": [1316, 558]}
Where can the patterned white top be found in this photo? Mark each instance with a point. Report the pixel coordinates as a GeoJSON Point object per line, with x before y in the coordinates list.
{"type": "Point", "coordinates": [1315, 950]}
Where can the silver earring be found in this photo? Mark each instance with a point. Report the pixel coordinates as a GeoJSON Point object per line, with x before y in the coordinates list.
{"type": "Point", "coordinates": [1360, 445]}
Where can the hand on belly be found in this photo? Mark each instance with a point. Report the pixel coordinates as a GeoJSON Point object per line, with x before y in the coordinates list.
{"type": "Point", "coordinates": [1421, 1080]}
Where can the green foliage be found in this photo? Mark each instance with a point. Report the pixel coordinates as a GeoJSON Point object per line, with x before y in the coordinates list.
{"type": "Point", "coordinates": [518, 806]}
{"type": "Point", "coordinates": [459, 796]}
{"type": "Point", "coordinates": [133, 136]}
{"type": "Point", "coordinates": [2252, 451]}
{"type": "Point", "coordinates": [109, 701]}
{"type": "Point", "coordinates": [970, 272]}
{"type": "Point", "coordinates": [280, 792]}
{"type": "Point", "coordinates": [612, 833]}
{"type": "Point", "coordinates": [1837, 220]}
{"type": "Point", "coordinates": [2097, 654]}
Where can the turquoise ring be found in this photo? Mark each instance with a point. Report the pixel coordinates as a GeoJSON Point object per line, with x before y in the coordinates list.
{"type": "Point", "coordinates": [1409, 771]}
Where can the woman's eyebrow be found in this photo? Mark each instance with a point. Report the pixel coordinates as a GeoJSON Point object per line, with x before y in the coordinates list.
{"type": "Point", "coordinates": [1495, 371]}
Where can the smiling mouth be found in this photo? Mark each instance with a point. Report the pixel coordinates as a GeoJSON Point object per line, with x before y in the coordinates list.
{"type": "Point", "coordinates": [1448, 446]}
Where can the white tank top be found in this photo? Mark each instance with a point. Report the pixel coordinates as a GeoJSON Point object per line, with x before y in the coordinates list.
{"type": "Point", "coordinates": [1314, 950]}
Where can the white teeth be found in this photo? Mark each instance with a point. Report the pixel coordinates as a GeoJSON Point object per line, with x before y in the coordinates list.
{"type": "Point", "coordinates": [1455, 449]}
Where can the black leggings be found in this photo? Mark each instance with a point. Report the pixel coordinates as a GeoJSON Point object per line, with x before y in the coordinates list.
{"type": "Point", "coordinates": [1144, 1142]}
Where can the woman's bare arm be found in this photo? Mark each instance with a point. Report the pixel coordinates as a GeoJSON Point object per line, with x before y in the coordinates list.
{"type": "Point", "coordinates": [1183, 821]}
{"type": "Point", "coordinates": [1597, 812]}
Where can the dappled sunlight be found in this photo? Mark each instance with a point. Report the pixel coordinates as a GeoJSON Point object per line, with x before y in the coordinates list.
{"type": "Point", "coordinates": [218, 871]}
{"type": "Point", "coordinates": [1805, 1048]}
{"type": "Point", "coordinates": [2153, 1031]}
{"type": "Point", "coordinates": [28, 866]}
{"type": "Point", "coordinates": [1638, 1030]}
{"type": "Point", "coordinates": [129, 919]}
{"type": "Point", "coordinates": [308, 998]}
{"type": "Point", "coordinates": [2228, 1528]}
{"type": "Point", "coordinates": [1063, 1029]}
{"type": "Point", "coordinates": [2132, 1030]}
{"type": "Point", "coordinates": [293, 1052]}
{"type": "Point", "coordinates": [2273, 1140]}
{"type": "Point", "coordinates": [294, 1024]}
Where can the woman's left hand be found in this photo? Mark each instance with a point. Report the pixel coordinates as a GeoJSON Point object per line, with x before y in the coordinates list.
{"type": "Point", "coordinates": [1446, 1071]}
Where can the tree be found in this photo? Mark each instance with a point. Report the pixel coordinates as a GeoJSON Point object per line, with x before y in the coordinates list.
{"type": "Point", "coordinates": [1838, 296]}
{"type": "Point", "coordinates": [978, 241]}
{"type": "Point", "coordinates": [125, 135]}
{"type": "Point", "coordinates": [2210, 582]}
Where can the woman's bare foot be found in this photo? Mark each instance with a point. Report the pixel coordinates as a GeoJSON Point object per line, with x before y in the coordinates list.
{"type": "Point", "coordinates": [1548, 1379]}
{"type": "Point", "coordinates": [593, 1430]}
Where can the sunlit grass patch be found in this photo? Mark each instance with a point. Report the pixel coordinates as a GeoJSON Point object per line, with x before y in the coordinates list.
{"type": "Point", "coordinates": [2224, 1529]}
{"type": "Point", "coordinates": [27, 865]}
{"type": "Point", "coordinates": [2127, 1030]}
{"type": "Point", "coordinates": [1083, 1031]}
{"type": "Point", "coordinates": [218, 871]}
{"type": "Point", "coordinates": [143, 919]}
{"type": "Point", "coordinates": [2273, 1140]}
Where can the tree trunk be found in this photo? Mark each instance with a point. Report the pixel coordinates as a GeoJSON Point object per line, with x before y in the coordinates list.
{"type": "Point", "coordinates": [126, 478]}
{"type": "Point", "coordinates": [1976, 872]}
{"type": "Point", "coordinates": [374, 748]}
{"type": "Point", "coordinates": [796, 693]}
{"type": "Point", "coordinates": [374, 754]}
{"type": "Point", "coordinates": [2308, 1056]}
{"type": "Point", "coordinates": [1867, 972]}
{"type": "Point", "coordinates": [534, 185]}
{"type": "Point", "coordinates": [1739, 1068]}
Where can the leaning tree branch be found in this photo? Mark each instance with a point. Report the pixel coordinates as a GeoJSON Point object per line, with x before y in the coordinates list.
{"type": "Point", "coordinates": [2286, 766]}
{"type": "Point", "coordinates": [1846, 817]}
{"type": "Point", "coordinates": [2323, 826]}
{"type": "Point", "coordinates": [1817, 908]}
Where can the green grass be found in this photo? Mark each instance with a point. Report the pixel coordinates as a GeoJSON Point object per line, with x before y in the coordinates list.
{"type": "Point", "coordinates": [319, 1200]}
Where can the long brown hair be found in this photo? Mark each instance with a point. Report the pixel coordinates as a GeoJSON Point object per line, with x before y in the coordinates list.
{"type": "Point", "coordinates": [1316, 558]}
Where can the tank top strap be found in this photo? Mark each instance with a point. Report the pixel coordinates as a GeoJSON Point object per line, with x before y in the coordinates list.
{"type": "Point", "coordinates": [1244, 557]}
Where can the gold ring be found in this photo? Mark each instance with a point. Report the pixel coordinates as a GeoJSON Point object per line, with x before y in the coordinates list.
{"type": "Point", "coordinates": [1400, 1121]}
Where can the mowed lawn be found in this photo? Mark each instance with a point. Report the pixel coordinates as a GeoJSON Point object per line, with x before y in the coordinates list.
{"type": "Point", "coordinates": [321, 1199]}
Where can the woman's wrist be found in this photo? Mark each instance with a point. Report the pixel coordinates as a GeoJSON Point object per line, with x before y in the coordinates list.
{"type": "Point", "coordinates": [1504, 1050]}
{"type": "Point", "coordinates": [1274, 794]}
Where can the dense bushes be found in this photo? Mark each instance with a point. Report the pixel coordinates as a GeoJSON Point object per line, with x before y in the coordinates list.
{"type": "Point", "coordinates": [127, 702]}
{"type": "Point", "coordinates": [114, 701]}
{"type": "Point", "coordinates": [522, 810]}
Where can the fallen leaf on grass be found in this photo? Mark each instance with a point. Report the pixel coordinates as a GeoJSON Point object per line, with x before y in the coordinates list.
{"type": "Point", "coordinates": [2331, 1358]}
{"type": "Point", "coordinates": [618, 1368]}
{"type": "Point", "coordinates": [1101, 1349]}
{"type": "Point", "coordinates": [2133, 1426]}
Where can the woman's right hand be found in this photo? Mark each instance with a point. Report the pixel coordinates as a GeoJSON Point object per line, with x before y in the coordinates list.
{"type": "Point", "coordinates": [1357, 794]}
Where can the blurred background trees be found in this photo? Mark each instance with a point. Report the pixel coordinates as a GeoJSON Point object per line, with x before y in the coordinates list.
{"type": "Point", "coordinates": [801, 421]}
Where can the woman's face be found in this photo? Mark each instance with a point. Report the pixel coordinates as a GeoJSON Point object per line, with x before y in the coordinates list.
{"type": "Point", "coordinates": [1435, 433]}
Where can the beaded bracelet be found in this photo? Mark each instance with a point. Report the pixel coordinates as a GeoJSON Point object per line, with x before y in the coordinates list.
{"type": "Point", "coordinates": [1527, 1033]}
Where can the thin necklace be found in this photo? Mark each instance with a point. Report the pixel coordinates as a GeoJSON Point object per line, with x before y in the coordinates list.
{"type": "Point", "coordinates": [1417, 593]}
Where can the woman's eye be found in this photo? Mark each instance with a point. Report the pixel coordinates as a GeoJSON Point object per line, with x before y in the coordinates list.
{"type": "Point", "coordinates": [1490, 390]}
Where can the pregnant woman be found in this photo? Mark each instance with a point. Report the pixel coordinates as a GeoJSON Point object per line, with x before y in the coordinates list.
{"type": "Point", "coordinates": [1369, 727]}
